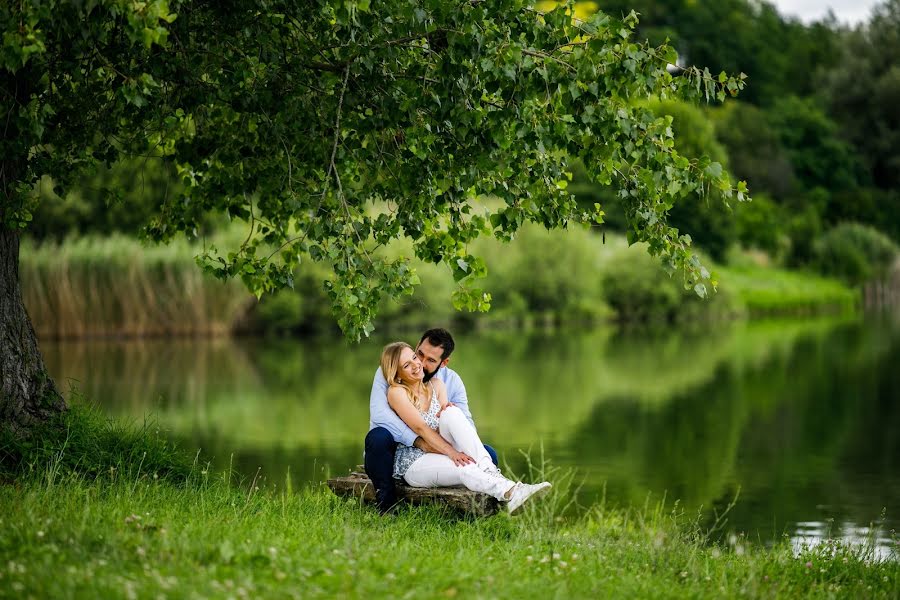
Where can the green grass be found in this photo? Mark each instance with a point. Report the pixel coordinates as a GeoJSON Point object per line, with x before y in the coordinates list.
{"type": "Point", "coordinates": [770, 291]}
{"type": "Point", "coordinates": [129, 532]}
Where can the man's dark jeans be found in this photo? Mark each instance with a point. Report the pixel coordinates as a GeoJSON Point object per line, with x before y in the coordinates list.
{"type": "Point", "coordinates": [379, 461]}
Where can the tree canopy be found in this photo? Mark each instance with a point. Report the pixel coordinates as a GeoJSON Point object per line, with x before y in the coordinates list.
{"type": "Point", "coordinates": [863, 87]}
{"type": "Point", "coordinates": [335, 127]}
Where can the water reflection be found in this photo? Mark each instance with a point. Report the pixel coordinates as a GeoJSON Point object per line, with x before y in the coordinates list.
{"type": "Point", "coordinates": [802, 417]}
{"type": "Point", "coordinates": [875, 541]}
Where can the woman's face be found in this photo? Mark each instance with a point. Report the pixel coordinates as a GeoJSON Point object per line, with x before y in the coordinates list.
{"type": "Point", "coordinates": [410, 366]}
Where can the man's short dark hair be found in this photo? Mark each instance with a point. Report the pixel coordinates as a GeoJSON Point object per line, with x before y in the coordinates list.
{"type": "Point", "coordinates": [440, 338]}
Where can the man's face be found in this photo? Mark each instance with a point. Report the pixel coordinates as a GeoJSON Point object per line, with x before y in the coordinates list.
{"type": "Point", "coordinates": [430, 356]}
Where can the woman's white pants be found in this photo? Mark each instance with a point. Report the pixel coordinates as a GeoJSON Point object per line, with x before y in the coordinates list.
{"type": "Point", "coordinates": [438, 470]}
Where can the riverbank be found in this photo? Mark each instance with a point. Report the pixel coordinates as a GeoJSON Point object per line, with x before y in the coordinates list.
{"type": "Point", "coordinates": [104, 510]}
{"type": "Point", "coordinates": [119, 287]}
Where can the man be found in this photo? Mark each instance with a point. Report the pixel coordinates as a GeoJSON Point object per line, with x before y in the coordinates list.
{"type": "Point", "coordinates": [386, 429]}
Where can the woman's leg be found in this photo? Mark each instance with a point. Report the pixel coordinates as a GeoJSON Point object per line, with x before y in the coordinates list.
{"type": "Point", "coordinates": [456, 429]}
{"type": "Point", "coordinates": [437, 470]}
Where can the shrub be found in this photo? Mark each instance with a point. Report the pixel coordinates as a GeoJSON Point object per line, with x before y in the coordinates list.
{"type": "Point", "coordinates": [639, 290]}
{"type": "Point", "coordinates": [760, 225]}
{"type": "Point", "coordinates": [854, 252]}
{"type": "Point", "coordinates": [554, 276]}
{"type": "Point", "coordinates": [540, 276]}
{"type": "Point", "coordinates": [303, 309]}
{"type": "Point", "coordinates": [754, 151]}
{"type": "Point", "coordinates": [804, 228]}
{"type": "Point", "coordinates": [120, 198]}
{"type": "Point", "coordinates": [705, 217]}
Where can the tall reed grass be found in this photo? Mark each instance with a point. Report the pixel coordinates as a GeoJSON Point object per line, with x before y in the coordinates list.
{"type": "Point", "coordinates": [117, 286]}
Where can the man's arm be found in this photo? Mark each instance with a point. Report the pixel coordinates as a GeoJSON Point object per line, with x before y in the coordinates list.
{"type": "Point", "coordinates": [382, 415]}
{"type": "Point", "coordinates": [456, 392]}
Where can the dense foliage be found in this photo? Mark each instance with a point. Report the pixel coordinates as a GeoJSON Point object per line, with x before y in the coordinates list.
{"type": "Point", "coordinates": [854, 252]}
{"type": "Point", "coordinates": [335, 128]}
{"type": "Point", "coordinates": [815, 135]}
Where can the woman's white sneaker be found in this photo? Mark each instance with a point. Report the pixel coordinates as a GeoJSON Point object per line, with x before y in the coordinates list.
{"type": "Point", "coordinates": [524, 491]}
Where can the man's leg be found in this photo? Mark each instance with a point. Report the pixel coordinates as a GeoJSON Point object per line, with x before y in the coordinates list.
{"type": "Point", "coordinates": [379, 462]}
{"type": "Point", "coordinates": [493, 454]}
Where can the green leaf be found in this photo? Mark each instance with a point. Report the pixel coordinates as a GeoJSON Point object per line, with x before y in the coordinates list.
{"type": "Point", "coordinates": [670, 55]}
{"type": "Point", "coordinates": [713, 170]}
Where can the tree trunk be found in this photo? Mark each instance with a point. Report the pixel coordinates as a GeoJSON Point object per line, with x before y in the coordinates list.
{"type": "Point", "coordinates": [28, 395]}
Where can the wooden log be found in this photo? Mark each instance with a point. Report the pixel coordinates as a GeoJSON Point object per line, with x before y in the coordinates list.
{"type": "Point", "coordinates": [358, 485]}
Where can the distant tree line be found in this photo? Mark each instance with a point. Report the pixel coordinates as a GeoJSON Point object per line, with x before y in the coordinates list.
{"type": "Point", "coordinates": [816, 133]}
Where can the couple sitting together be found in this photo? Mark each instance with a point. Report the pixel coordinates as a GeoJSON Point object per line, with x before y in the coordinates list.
{"type": "Point", "coordinates": [421, 430]}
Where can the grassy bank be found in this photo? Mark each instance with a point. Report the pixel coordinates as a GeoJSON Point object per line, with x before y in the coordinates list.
{"type": "Point", "coordinates": [766, 291]}
{"type": "Point", "coordinates": [117, 286]}
{"type": "Point", "coordinates": [142, 521]}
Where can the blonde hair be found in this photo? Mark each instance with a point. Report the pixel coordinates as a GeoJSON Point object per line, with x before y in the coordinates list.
{"type": "Point", "coordinates": [391, 367]}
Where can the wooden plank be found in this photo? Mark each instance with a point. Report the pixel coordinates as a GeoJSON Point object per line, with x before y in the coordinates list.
{"type": "Point", "coordinates": [357, 484]}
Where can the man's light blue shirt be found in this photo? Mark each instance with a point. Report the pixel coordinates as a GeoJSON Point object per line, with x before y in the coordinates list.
{"type": "Point", "coordinates": [382, 415]}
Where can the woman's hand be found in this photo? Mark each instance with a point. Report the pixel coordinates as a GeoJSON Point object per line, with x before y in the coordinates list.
{"type": "Point", "coordinates": [445, 407]}
{"type": "Point", "coordinates": [461, 459]}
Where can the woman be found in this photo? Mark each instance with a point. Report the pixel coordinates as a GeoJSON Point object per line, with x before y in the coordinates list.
{"type": "Point", "coordinates": [461, 457]}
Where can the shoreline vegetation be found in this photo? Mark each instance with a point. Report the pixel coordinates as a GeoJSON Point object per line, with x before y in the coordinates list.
{"type": "Point", "coordinates": [101, 509]}
{"type": "Point", "coordinates": [100, 287]}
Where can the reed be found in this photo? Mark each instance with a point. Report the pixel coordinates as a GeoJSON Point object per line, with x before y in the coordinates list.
{"type": "Point", "coordinates": [117, 286]}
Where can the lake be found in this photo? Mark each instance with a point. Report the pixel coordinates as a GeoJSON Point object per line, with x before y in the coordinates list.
{"type": "Point", "coordinates": [798, 420]}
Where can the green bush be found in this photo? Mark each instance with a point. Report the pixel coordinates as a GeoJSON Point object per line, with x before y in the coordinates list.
{"type": "Point", "coordinates": [303, 309]}
{"type": "Point", "coordinates": [120, 198]}
{"type": "Point", "coordinates": [546, 276]}
{"type": "Point", "coordinates": [760, 224]}
{"type": "Point", "coordinates": [754, 150]}
{"type": "Point", "coordinates": [639, 290]}
{"type": "Point", "coordinates": [819, 156]}
{"type": "Point", "coordinates": [430, 304]}
{"type": "Point", "coordinates": [878, 208]}
{"type": "Point", "coordinates": [854, 252]}
{"type": "Point", "coordinates": [804, 227]}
